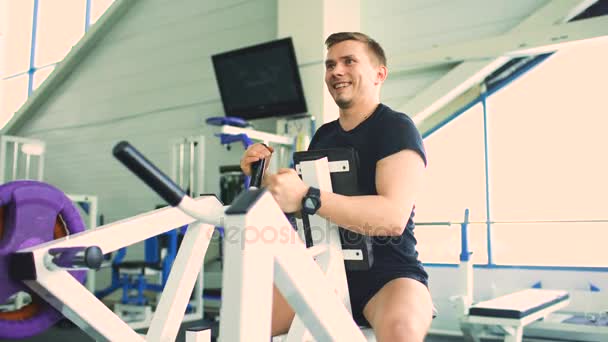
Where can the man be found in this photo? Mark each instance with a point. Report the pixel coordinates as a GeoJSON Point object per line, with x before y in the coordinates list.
{"type": "Point", "coordinates": [392, 297]}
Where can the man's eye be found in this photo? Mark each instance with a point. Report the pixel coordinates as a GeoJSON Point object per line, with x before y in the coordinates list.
{"type": "Point", "coordinates": [349, 61]}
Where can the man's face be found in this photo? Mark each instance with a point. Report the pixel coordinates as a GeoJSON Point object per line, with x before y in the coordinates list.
{"type": "Point", "coordinates": [350, 73]}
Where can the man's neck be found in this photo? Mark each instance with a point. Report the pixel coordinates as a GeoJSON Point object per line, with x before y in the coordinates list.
{"type": "Point", "coordinates": [352, 117]}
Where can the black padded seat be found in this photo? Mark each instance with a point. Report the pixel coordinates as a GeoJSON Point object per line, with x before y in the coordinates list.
{"type": "Point", "coordinates": [519, 304]}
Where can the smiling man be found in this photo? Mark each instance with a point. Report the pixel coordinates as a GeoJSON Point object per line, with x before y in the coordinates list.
{"type": "Point", "coordinates": [392, 297]}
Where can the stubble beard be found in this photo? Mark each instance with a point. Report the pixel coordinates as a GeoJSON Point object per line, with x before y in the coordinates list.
{"type": "Point", "coordinates": [342, 102]}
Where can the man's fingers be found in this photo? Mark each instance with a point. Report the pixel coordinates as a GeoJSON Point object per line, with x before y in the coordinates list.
{"type": "Point", "coordinates": [263, 150]}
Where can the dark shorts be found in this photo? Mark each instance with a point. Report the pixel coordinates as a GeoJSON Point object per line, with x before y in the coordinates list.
{"type": "Point", "coordinates": [363, 285]}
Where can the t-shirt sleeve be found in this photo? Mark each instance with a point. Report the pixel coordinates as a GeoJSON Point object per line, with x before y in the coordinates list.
{"type": "Point", "coordinates": [397, 134]}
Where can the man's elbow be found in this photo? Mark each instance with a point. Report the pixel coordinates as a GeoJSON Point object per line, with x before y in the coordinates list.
{"type": "Point", "coordinates": [400, 222]}
{"type": "Point", "coordinates": [398, 230]}
{"type": "Point", "coordinates": [397, 226]}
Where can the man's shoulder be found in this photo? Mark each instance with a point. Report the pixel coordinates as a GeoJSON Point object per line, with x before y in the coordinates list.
{"type": "Point", "coordinates": [328, 127]}
{"type": "Point", "coordinates": [392, 116]}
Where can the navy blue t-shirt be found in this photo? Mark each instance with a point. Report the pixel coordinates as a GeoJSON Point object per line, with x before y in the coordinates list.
{"type": "Point", "coordinates": [382, 134]}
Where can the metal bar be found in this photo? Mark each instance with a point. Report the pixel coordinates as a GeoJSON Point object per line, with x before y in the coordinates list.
{"type": "Point", "coordinates": [170, 310]}
{"type": "Point", "coordinates": [201, 166]}
{"type": "Point", "coordinates": [3, 145]}
{"type": "Point", "coordinates": [487, 169]}
{"type": "Point", "coordinates": [32, 69]}
{"type": "Point", "coordinates": [27, 166]}
{"type": "Point", "coordinates": [181, 165]}
{"type": "Point", "coordinates": [191, 188]}
{"type": "Point", "coordinates": [451, 223]}
{"type": "Point", "coordinates": [87, 16]}
{"type": "Point", "coordinates": [259, 135]}
{"type": "Point", "coordinates": [15, 160]}
{"type": "Point", "coordinates": [41, 164]}
{"type": "Point", "coordinates": [439, 223]}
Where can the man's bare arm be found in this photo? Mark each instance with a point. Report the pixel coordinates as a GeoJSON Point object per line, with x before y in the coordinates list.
{"type": "Point", "coordinates": [398, 180]}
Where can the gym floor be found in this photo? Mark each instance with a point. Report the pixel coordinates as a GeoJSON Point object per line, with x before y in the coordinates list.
{"type": "Point", "coordinates": [66, 331]}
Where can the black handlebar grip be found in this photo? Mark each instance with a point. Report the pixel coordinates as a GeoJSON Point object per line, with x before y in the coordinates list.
{"type": "Point", "coordinates": [147, 172]}
{"type": "Point", "coordinates": [77, 257]}
{"type": "Point", "coordinates": [257, 173]}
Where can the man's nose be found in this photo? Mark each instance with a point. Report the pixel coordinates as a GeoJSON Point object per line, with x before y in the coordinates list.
{"type": "Point", "coordinates": [338, 70]}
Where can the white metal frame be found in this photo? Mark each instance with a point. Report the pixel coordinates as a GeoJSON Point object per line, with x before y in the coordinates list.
{"type": "Point", "coordinates": [284, 142]}
{"type": "Point", "coordinates": [91, 224]}
{"type": "Point", "coordinates": [265, 137]}
{"type": "Point", "coordinates": [18, 144]}
{"type": "Point", "coordinates": [78, 304]}
{"type": "Point", "coordinates": [187, 151]}
{"type": "Point", "coordinates": [261, 246]}
{"type": "Point", "coordinates": [194, 146]}
{"type": "Point", "coordinates": [327, 248]}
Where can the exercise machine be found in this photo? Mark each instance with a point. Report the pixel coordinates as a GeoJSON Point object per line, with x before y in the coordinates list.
{"type": "Point", "coordinates": [510, 313]}
{"type": "Point", "coordinates": [255, 258]}
{"type": "Point", "coordinates": [22, 158]}
{"type": "Point", "coordinates": [142, 281]}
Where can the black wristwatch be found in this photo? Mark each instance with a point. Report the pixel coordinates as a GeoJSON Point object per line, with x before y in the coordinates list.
{"type": "Point", "coordinates": [311, 201]}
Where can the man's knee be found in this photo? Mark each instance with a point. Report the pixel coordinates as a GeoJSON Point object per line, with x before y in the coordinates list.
{"type": "Point", "coordinates": [401, 329]}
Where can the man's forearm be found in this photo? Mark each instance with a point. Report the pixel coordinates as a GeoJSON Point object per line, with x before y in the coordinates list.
{"type": "Point", "coordinates": [368, 215]}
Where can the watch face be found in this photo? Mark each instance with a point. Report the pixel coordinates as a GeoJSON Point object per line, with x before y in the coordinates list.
{"type": "Point", "coordinates": [309, 203]}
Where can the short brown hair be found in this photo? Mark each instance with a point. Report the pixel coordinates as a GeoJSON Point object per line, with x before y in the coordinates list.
{"type": "Point", "coordinates": [372, 45]}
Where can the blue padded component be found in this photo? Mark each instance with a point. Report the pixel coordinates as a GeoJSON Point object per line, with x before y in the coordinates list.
{"type": "Point", "coordinates": [227, 120]}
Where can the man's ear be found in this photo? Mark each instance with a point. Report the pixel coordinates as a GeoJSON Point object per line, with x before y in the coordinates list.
{"type": "Point", "coordinates": [381, 74]}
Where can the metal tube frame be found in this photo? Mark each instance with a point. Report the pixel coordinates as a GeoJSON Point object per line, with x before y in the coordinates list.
{"type": "Point", "coordinates": [17, 142]}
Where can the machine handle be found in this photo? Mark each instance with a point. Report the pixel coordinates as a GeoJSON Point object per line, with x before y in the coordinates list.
{"type": "Point", "coordinates": [257, 173]}
{"type": "Point", "coordinates": [77, 257]}
{"type": "Point", "coordinates": [147, 172]}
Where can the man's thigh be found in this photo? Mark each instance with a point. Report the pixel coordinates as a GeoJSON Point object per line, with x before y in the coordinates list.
{"type": "Point", "coordinates": [402, 302]}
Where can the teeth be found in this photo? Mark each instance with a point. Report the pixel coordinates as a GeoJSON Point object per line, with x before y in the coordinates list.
{"type": "Point", "coordinates": [340, 85]}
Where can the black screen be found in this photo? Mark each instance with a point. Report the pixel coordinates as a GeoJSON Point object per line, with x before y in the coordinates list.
{"type": "Point", "coordinates": [260, 81]}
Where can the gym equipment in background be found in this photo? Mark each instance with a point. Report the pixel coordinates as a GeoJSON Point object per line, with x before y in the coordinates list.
{"type": "Point", "coordinates": [510, 313]}
{"type": "Point", "coordinates": [22, 158]}
{"type": "Point", "coordinates": [188, 164]}
{"type": "Point", "coordinates": [31, 213]}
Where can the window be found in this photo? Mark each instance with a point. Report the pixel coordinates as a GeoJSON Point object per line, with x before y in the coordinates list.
{"type": "Point", "coordinates": [18, 37]}
{"type": "Point", "coordinates": [454, 181]}
{"type": "Point", "coordinates": [39, 34]}
{"type": "Point", "coordinates": [15, 94]}
{"type": "Point", "coordinates": [548, 161]}
{"type": "Point", "coordinates": [547, 169]}
{"type": "Point", "coordinates": [58, 29]}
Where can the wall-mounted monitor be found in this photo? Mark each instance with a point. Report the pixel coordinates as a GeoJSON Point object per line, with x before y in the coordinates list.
{"type": "Point", "coordinates": [260, 81]}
